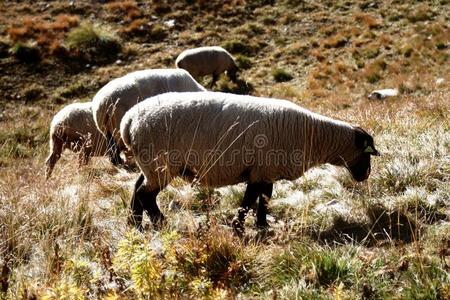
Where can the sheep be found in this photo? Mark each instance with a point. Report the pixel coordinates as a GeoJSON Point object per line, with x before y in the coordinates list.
{"type": "Point", "coordinates": [217, 139]}
{"type": "Point", "coordinates": [208, 61]}
{"type": "Point", "coordinates": [73, 128]}
{"type": "Point", "coordinates": [114, 99]}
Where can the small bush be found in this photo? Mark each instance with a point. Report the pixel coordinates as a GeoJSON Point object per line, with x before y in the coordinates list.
{"type": "Point", "coordinates": [42, 32]}
{"type": "Point", "coordinates": [4, 47]}
{"type": "Point", "coordinates": [251, 29]}
{"type": "Point", "coordinates": [145, 30]}
{"type": "Point", "coordinates": [336, 41]}
{"type": "Point", "coordinates": [420, 14]}
{"type": "Point", "coordinates": [373, 77]}
{"type": "Point", "coordinates": [28, 53]}
{"type": "Point", "coordinates": [33, 92]}
{"type": "Point", "coordinates": [158, 32]}
{"type": "Point", "coordinates": [243, 62]}
{"type": "Point", "coordinates": [368, 20]}
{"type": "Point", "coordinates": [281, 75]}
{"type": "Point", "coordinates": [93, 44]}
{"type": "Point", "coordinates": [321, 267]}
{"type": "Point", "coordinates": [330, 267]}
{"type": "Point", "coordinates": [124, 9]}
{"type": "Point", "coordinates": [138, 27]}
{"type": "Point", "coordinates": [238, 47]}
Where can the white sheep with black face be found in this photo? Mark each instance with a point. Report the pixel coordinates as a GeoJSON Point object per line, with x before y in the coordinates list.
{"type": "Point", "coordinates": [218, 139]}
{"type": "Point", "coordinates": [74, 128]}
{"type": "Point", "coordinates": [114, 99]}
{"type": "Point", "coordinates": [204, 61]}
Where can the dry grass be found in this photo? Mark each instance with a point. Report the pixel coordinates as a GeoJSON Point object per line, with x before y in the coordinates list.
{"type": "Point", "coordinates": [45, 33]}
{"type": "Point", "coordinates": [329, 237]}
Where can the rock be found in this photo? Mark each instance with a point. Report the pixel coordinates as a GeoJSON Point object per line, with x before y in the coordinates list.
{"type": "Point", "coordinates": [170, 23]}
{"type": "Point", "coordinates": [382, 94]}
{"type": "Point", "coordinates": [440, 81]}
{"type": "Point", "coordinates": [333, 206]}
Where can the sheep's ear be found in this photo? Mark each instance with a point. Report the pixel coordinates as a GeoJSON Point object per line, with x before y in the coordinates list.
{"type": "Point", "coordinates": [364, 141]}
{"type": "Point", "coordinates": [371, 150]}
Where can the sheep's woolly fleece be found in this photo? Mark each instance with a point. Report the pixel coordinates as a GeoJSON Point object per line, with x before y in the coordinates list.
{"type": "Point", "coordinates": [119, 95]}
{"type": "Point", "coordinates": [206, 61]}
{"type": "Point", "coordinates": [220, 139]}
{"type": "Point", "coordinates": [73, 128]}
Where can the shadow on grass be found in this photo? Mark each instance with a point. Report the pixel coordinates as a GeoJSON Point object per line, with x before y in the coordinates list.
{"type": "Point", "coordinates": [383, 226]}
{"type": "Point", "coordinates": [237, 87]}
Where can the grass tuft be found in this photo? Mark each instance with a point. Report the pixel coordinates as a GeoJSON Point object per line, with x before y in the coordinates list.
{"type": "Point", "coordinates": [28, 53]}
{"type": "Point", "coordinates": [93, 44]}
{"type": "Point", "coordinates": [281, 75]}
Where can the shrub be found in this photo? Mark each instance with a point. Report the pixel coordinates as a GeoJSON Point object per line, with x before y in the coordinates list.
{"type": "Point", "coordinates": [124, 9]}
{"type": "Point", "coordinates": [235, 46]}
{"type": "Point", "coordinates": [243, 62]}
{"type": "Point", "coordinates": [4, 47]}
{"type": "Point", "coordinates": [336, 41]}
{"type": "Point", "coordinates": [157, 32]}
{"type": "Point", "coordinates": [419, 14]}
{"type": "Point", "coordinates": [281, 75]}
{"type": "Point", "coordinates": [93, 43]}
{"type": "Point", "coordinates": [28, 53]}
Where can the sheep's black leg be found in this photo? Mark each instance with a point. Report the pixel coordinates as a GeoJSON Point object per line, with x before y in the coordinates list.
{"type": "Point", "coordinates": [251, 194]}
{"type": "Point", "coordinates": [136, 206]}
{"type": "Point", "coordinates": [113, 151]}
{"type": "Point", "coordinates": [152, 209]}
{"type": "Point", "coordinates": [214, 79]}
{"type": "Point", "coordinates": [50, 164]}
{"type": "Point", "coordinates": [144, 200]}
{"type": "Point", "coordinates": [261, 213]}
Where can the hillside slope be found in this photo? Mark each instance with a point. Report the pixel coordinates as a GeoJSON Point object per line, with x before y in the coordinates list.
{"type": "Point", "coordinates": [329, 237]}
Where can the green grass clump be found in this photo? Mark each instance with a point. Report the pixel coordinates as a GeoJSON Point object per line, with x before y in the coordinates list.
{"type": "Point", "coordinates": [170, 266]}
{"type": "Point", "coordinates": [243, 62]}
{"type": "Point", "coordinates": [239, 47]}
{"type": "Point", "coordinates": [27, 53]}
{"type": "Point", "coordinates": [94, 44]}
{"type": "Point", "coordinates": [281, 75]}
{"type": "Point", "coordinates": [321, 267]}
{"type": "Point", "coordinates": [157, 32]}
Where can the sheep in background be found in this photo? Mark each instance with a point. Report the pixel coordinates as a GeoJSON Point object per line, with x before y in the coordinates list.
{"type": "Point", "coordinates": [208, 61]}
{"type": "Point", "coordinates": [73, 128]}
{"type": "Point", "coordinates": [114, 99]}
{"type": "Point", "coordinates": [218, 139]}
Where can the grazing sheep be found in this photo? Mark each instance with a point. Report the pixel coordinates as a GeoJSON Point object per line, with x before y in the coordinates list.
{"type": "Point", "coordinates": [73, 128]}
{"type": "Point", "coordinates": [218, 139]}
{"type": "Point", "coordinates": [114, 99]}
{"type": "Point", "coordinates": [208, 61]}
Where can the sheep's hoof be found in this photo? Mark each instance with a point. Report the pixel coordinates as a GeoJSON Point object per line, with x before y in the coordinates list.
{"type": "Point", "coordinates": [264, 233]}
{"type": "Point", "coordinates": [158, 222]}
{"type": "Point", "coordinates": [136, 222]}
{"type": "Point", "coordinates": [238, 227]}
{"type": "Point", "coordinates": [262, 224]}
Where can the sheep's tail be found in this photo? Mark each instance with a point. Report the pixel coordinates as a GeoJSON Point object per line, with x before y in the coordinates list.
{"type": "Point", "coordinates": [177, 62]}
{"type": "Point", "coordinates": [125, 130]}
{"type": "Point", "coordinates": [100, 118]}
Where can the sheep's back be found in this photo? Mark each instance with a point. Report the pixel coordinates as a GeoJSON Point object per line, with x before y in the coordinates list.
{"type": "Point", "coordinates": [118, 96]}
{"type": "Point", "coordinates": [205, 61]}
{"type": "Point", "coordinates": [198, 123]}
{"type": "Point", "coordinates": [75, 118]}
{"type": "Point", "coordinates": [75, 122]}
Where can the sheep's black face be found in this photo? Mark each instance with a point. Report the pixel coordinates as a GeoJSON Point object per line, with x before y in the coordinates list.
{"type": "Point", "coordinates": [360, 167]}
